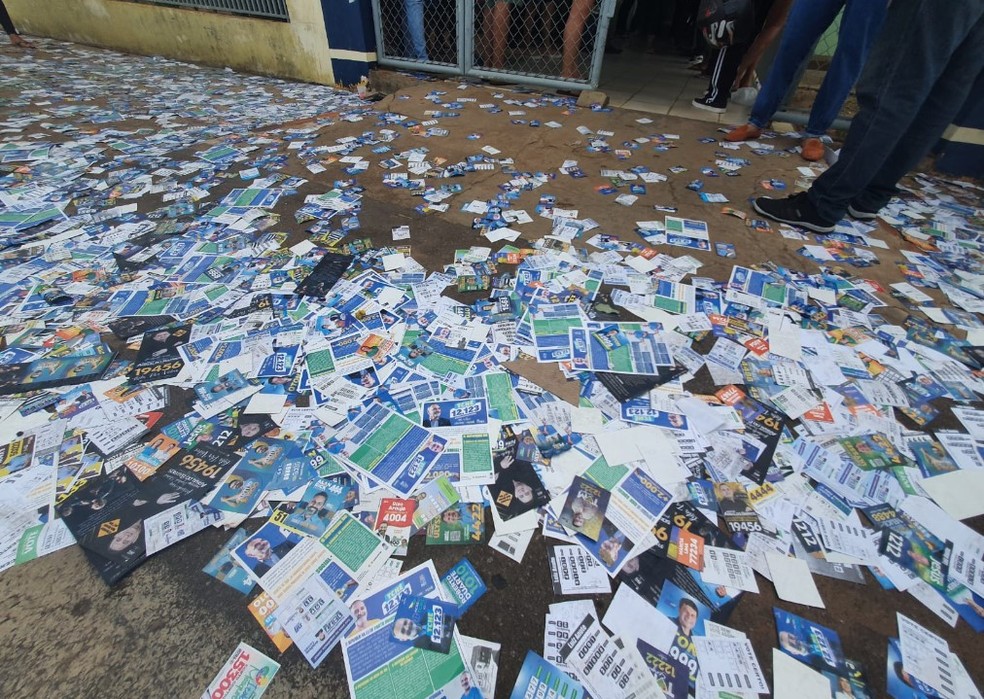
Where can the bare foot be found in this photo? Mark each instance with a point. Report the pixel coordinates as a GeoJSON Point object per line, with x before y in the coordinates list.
{"type": "Point", "coordinates": [20, 42]}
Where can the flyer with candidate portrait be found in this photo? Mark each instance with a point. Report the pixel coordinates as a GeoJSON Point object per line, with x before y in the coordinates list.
{"type": "Point", "coordinates": [158, 357]}
{"type": "Point", "coordinates": [426, 623]}
{"type": "Point", "coordinates": [315, 618]}
{"type": "Point", "coordinates": [394, 522]}
{"type": "Point", "coordinates": [381, 604]}
{"type": "Point", "coordinates": [808, 642]}
{"type": "Point", "coordinates": [462, 523]}
{"type": "Point", "coordinates": [584, 510]}
{"type": "Point", "coordinates": [321, 500]}
{"type": "Point", "coordinates": [517, 488]}
{"type": "Point", "coordinates": [16, 455]}
{"type": "Point", "coordinates": [387, 447]}
{"type": "Point", "coordinates": [241, 489]}
{"type": "Point", "coordinates": [374, 662]}
{"type": "Point", "coordinates": [226, 569]}
{"type": "Point", "coordinates": [265, 549]}
{"type": "Point", "coordinates": [455, 413]}
{"type": "Point", "coordinates": [55, 371]}
{"type": "Point", "coordinates": [685, 610]}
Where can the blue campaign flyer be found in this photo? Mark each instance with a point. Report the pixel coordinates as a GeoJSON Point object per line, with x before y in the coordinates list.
{"type": "Point", "coordinates": [425, 623]}
{"type": "Point", "coordinates": [319, 503]}
{"type": "Point", "coordinates": [280, 362]}
{"type": "Point", "coordinates": [808, 642]}
{"type": "Point", "coordinates": [455, 413]}
{"type": "Point", "coordinates": [225, 568]}
{"type": "Point", "coordinates": [463, 585]}
{"type": "Point", "coordinates": [688, 613]}
{"type": "Point", "coordinates": [382, 604]}
{"type": "Point", "coordinates": [902, 685]}
{"type": "Point", "coordinates": [541, 678]}
{"type": "Point", "coordinates": [672, 676]}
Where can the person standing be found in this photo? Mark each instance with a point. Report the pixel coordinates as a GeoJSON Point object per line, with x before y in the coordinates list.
{"type": "Point", "coordinates": [8, 26]}
{"type": "Point", "coordinates": [416, 33]}
{"type": "Point", "coordinates": [768, 16]}
{"type": "Point", "coordinates": [921, 71]}
{"type": "Point", "coordinates": [808, 19]}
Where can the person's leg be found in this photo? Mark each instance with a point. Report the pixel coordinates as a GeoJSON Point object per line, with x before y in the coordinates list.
{"type": "Point", "coordinates": [415, 28]}
{"type": "Point", "coordinates": [860, 24]}
{"type": "Point", "coordinates": [573, 29]}
{"type": "Point", "coordinates": [948, 96]}
{"type": "Point", "coordinates": [916, 46]}
{"type": "Point", "coordinates": [5, 22]}
{"type": "Point", "coordinates": [723, 75]}
{"type": "Point", "coordinates": [807, 20]}
{"type": "Point", "coordinates": [499, 34]}
{"type": "Point", "coordinates": [717, 60]}
{"type": "Point", "coordinates": [622, 20]}
{"type": "Point", "coordinates": [726, 66]}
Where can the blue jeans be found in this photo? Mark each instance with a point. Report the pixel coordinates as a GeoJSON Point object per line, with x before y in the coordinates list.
{"type": "Point", "coordinates": [808, 20]}
{"type": "Point", "coordinates": [416, 36]}
{"type": "Point", "coordinates": [920, 74]}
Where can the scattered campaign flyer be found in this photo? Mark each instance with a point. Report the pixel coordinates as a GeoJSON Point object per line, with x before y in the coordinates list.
{"type": "Point", "coordinates": [574, 571]}
{"type": "Point", "coordinates": [808, 642]}
{"type": "Point", "coordinates": [620, 348]}
{"type": "Point", "coordinates": [16, 455]}
{"type": "Point", "coordinates": [388, 448]}
{"type": "Point", "coordinates": [729, 665]}
{"type": "Point", "coordinates": [321, 500]}
{"type": "Point", "coordinates": [354, 546]}
{"type": "Point", "coordinates": [603, 667]}
{"type": "Point", "coordinates": [541, 678]}
{"type": "Point", "coordinates": [433, 499]}
{"type": "Point", "coordinates": [261, 551]}
{"type": "Point", "coordinates": [375, 664]}
{"type": "Point", "coordinates": [264, 610]}
{"type": "Point", "coordinates": [315, 618]}
{"type": "Point", "coordinates": [584, 510]}
{"type": "Point", "coordinates": [670, 674]}
{"type": "Point", "coordinates": [518, 487]}
{"type": "Point", "coordinates": [158, 357]}
{"type": "Point", "coordinates": [483, 662]}
{"type": "Point", "coordinates": [687, 233]}
{"type": "Point", "coordinates": [330, 268]}
{"type": "Point", "coordinates": [246, 674]}
{"type": "Point", "coordinates": [394, 522]}
{"type": "Point", "coordinates": [463, 585]}
{"type": "Point", "coordinates": [425, 623]}
{"type": "Point", "coordinates": [462, 523]}
{"type": "Point", "coordinates": [176, 523]}
{"type": "Point", "coordinates": [54, 371]}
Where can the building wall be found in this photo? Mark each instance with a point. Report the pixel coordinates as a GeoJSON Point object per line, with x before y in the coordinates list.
{"type": "Point", "coordinates": [297, 49]}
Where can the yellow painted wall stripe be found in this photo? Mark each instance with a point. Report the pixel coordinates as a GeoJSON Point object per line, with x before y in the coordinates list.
{"type": "Point", "coordinates": [348, 55]}
{"type": "Point", "coordinates": [964, 134]}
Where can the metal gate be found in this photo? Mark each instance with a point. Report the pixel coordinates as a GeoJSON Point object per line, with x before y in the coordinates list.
{"type": "Point", "coordinates": [549, 43]}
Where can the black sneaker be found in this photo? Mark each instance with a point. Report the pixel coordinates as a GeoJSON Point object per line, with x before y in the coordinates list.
{"type": "Point", "coordinates": [861, 215]}
{"type": "Point", "coordinates": [795, 210]}
{"type": "Point", "coordinates": [718, 107]}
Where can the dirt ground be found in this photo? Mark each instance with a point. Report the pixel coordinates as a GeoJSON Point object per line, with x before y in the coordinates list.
{"type": "Point", "coordinates": [166, 630]}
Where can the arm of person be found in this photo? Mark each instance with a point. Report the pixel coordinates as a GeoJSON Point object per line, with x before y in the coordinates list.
{"type": "Point", "coordinates": [774, 23]}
